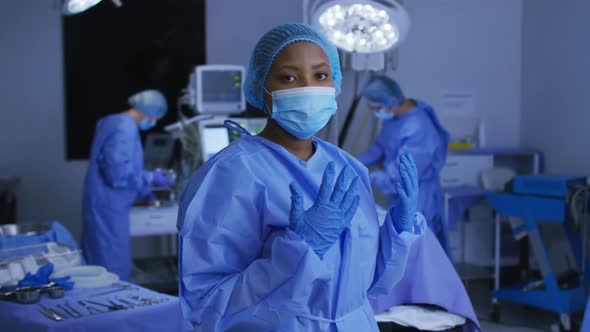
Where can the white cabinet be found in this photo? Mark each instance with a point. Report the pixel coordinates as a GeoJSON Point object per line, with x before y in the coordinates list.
{"type": "Point", "coordinates": [464, 170]}
{"type": "Point", "coordinates": [145, 221]}
{"type": "Point", "coordinates": [456, 242]}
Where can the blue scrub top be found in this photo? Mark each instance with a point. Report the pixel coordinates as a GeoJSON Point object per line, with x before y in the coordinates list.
{"type": "Point", "coordinates": [243, 269]}
{"type": "Point", "coordinates": [419, 133]}
{"type": "Point", "coordinates": [113, 180]}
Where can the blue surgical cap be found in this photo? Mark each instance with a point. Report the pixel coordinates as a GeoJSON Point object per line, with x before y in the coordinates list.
{"type": "Point", "coordinates": [384, 91]}
{"type": "Point", "coordinates": [271, 44]}
{"type": "Point", "coordinates": [149, 102]}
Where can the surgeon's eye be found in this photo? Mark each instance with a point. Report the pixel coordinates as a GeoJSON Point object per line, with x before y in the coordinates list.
{"type": "Point", "coordinates": [288, 78]}
{"type": "Point", "coordinates": [321, 76]}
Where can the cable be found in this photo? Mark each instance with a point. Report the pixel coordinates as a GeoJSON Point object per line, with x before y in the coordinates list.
{"type": "Point", "coordinates": [580, 219]}
{"type": "Point", "coordinates": [573, 204]}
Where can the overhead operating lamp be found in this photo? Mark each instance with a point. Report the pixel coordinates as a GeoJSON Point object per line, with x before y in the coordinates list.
{"type": "Point", "coordinates": [366, 33]}
{"type": "Point", "coordinates": [73, 7]}
{"type": "Point", "coordinates": [363, 26]}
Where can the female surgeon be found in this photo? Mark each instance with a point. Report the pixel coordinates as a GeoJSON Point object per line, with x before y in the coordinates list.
{"type": "Point", "coordinates": [409, 127]}
{"type": "Point", "coordinates": [115, 178]}
{"type": "Point", "coordinates": [278, 232]}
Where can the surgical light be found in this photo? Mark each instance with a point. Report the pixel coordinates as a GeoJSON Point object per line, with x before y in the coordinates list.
{"type": "Point", "coordinates": [73, 7]}
{"type": "Point", "coordinates": [363, 26]}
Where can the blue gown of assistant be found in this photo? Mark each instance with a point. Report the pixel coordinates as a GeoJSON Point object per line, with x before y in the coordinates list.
{"type": "Point", "coordinates": [419, 133]}
{"type": "Point", "coordinates": [242, 269]}
{"type": "Point", "coordinates": [114, 178]}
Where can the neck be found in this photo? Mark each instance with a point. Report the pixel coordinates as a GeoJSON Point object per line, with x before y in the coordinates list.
{"type": "Point", "coordinates": [135, 114]}
{"type": "Point", "coordinates": [300, 148]}
{"type": "Point", "coordinates": [406, 106]}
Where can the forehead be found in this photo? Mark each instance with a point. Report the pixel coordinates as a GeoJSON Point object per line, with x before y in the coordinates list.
{"type": "Point", "coordinates": [301, 54]}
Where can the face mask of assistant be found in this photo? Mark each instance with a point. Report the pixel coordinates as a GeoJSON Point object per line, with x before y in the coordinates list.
{"type": "Point", "coordinates": [303, 111]}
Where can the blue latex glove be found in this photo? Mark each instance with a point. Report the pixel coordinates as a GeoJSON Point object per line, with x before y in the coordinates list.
{"type": "Point", "coordinates": [405, 211]}
{"type": "Point", "coordinates": [41, 278]}
{"type": "Point", "coordinates": [64, 282]}
{"type": "Point", "coordinates": [160, 179]}
{"type": "Point", "coordinates": [332, 212]}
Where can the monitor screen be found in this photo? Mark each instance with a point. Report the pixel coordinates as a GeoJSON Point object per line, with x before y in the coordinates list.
{"type": "Point", "coordinates": [221, 86]}
{"type": "Point", "coordinates": [214, 139]}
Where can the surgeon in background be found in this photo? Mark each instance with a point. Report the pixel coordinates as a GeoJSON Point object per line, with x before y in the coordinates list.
{"type": "Point", "coordinates": [409, 127]}
{"type": "Point", "coordinates": [279, 232]}
{"type": "Point", "coordinates": [115, 179]}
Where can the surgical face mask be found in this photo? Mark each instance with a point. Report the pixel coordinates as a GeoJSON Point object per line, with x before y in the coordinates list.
{"type": "Point", "coordinates": [382, 114]}
{"type": "Point", "coordinates": [146, 124]}
{"type": "Point", "coordinates": [303, 111]}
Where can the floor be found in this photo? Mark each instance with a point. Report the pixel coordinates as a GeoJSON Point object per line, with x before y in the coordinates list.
{"type": "Point", "coordinates": [492, 327]}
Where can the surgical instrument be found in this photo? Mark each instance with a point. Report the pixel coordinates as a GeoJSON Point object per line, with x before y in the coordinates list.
{"type": "Point", "coordinates": [50, 315]}
{"type": "Point", "coordinates": [73, 313]}
{"type": "Point", "coordinates": [111, 307]}
{"type": "Point", "coordinates": [149, 301]}
{"type": "Point", "coordinates": [53, 313]}
{"type": "Point", "coordinates": [91, 310]}
{"type": "Point", "coordinates": [119, 289]}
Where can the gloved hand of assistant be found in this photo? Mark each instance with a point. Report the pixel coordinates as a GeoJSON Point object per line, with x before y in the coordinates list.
{"type": "Point", "coordinates": [404, 213]}
{"type": "Point", "coordinates": [160, 179]}
{"type": "Point", "coordinates": [41, 278]}
{"type": "Point", "coordinates": [382, 181]}
{"type": "Point", "coordinates": [146, 195]}
{"type": "Point", "coordinates": [332, 212]}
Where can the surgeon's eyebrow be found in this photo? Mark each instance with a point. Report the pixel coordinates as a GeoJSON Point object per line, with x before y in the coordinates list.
{"type": "Point", "coordinates": [319, 65]}
{"type": "Point", "coordinates": [292, 67]}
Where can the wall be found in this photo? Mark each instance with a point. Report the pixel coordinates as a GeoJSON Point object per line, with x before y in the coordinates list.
{"type": "Point", "coordinates": [556, 79]}
{"type": "Point", "coordinates": [452, 44]}
{"type": "Point", "coordinates": [458, 44]}
{"type": "Point", "coordinates": [31, 103]}
{"type": "Point", "coordinates": [468, 45]}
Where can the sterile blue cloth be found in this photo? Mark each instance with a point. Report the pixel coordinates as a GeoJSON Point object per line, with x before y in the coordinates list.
{"type": "Point", "coordinates": [243, 269]}
{"type": "Point", "coordinates": [419, 133]}
{"type": "Point", "coordinates": [271, 44]}
{"type": "Point", "coordinates": [165, 316]}
{"type": "Point", "coordinates": [56, 233]}
{"type": "Point", "coordinates": [113, 181]}
{"type": "Point", "coordinates": [149, 102]}
{"type": "Point", "coordinates": [383, 90]}
{"type": "Point", "coordinates": [430, 278]}
{"type": "Point", "coordinates": [461, 199]}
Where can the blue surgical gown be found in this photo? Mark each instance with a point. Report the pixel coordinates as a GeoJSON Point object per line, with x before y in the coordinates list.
{"type": "Point", "coordinates": [419, 133]}
{"type": "Point", "coordinates": [113, 180]}
{"type": "Point", "coordinates": [243, 269]}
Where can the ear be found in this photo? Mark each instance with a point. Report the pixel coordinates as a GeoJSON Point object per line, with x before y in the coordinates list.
{"type": "Point", "coordinates": [396, 101]}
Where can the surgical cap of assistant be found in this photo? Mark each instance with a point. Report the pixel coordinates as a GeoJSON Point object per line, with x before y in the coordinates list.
{"type": "Point", "coordinates": [149, 102]}
{"type": "Point", "coordinates": [271, 44]}
{"type": "Point", "coordinates": [384, 91]}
